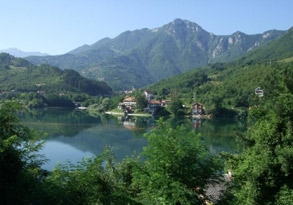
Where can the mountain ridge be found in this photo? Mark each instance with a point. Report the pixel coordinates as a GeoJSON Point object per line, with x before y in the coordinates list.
{"type": "Point", "coordinates": [159, 53]}
{"type": "Point", "coordinates": [22, 54]}
{"type": "Point", "coordinates": [233, 84]}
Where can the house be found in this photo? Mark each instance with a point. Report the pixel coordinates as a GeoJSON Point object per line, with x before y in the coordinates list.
{"type": "Point", "coordinates": [41, 92]}
{"type": "Point", "coordinates": [153, 105]}
{"type": "Point", "coordinates": [165, 103]}
{"type": "Point", "coordinates": [121, 106]}
{"type": "Point", "coordinates": [259, 92]}
{"type": "Point", "coordinates": [129, 102]}
{"type": "Point", "coordinates": [128, 91]}
{"type": "Point", "coordinates": [197, 109]}
{"type": "Point", "coordinates": [148, 94]}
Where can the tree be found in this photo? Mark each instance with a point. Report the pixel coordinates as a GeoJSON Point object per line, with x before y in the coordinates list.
{"type": "Point", "coordinates": [97, 180]}
{"type": "Point", "coordinates": [263, 172]}
{"type": "Point", "coordinates": [177, 163]}
{"type": "Point", "coordinates": [141, 101]}
{"type": "Point", "coordinates": [20, 172]}
{"type": "Point", "coordinates": [175, 106]}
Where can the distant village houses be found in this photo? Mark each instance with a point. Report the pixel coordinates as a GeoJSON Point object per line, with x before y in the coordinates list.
{"type": "Point", "coordinates": [129, 103]}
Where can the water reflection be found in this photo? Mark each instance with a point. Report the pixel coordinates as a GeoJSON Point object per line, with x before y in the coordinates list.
{"type": "Point", "coordinates": [73, 134]}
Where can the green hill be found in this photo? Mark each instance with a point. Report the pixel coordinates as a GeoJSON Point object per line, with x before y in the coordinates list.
{"type": "Point", "coordinates": [20, 75]}
{"type": "Point", "coordinates": [232, 84]}
{"type": "Point", "coordinates": [279, 49]}
{"type": "Point", "coordinates": [138, 58]}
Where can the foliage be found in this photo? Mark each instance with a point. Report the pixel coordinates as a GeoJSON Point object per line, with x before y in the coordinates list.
{"type": "Point", "coordinates": [53, 100]}
{"type": "Point", "coordinates": [176, 164]}
{"type": "Point", "coordinates": [141, 101]}
{"type": "Point", "coordinates": [115, 100]}
{"type": "Point", "coordinates": [102, 107]}
{"type": "Point", "coordinates": [175, 107]}
{"type": "Point", "coordinates": [19, 75]}
{"type": "Point", "coordinates": [93, 181]}
{"type": "Point", "coordinates": [20, 172]}
{"type": "Point", "coordinates": [263, 172]}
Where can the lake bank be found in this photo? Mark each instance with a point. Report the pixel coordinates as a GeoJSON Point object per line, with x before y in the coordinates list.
{"type": "Point", "coordinates": [129, 114]}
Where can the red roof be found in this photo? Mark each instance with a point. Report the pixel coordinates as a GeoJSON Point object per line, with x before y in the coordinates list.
{"type": "Point", "coordinates": [154, 102]}
{"type": "Point", "coordinates": [129, 99]}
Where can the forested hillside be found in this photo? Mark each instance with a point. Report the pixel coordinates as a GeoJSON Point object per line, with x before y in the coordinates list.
{"type": "Point", "coordinates": [138, 58]}
{"type": "Point", "coordinates": [19, 75]}
{"type": "Point", "coordinates": [233, 84]}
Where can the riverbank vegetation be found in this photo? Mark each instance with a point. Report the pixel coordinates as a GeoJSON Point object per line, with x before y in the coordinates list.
{"type": "Point", "coordinates": [177, 168]}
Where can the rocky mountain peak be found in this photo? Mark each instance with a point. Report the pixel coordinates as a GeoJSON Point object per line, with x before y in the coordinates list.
{"type": "Point", "coordinates": [180, 28]}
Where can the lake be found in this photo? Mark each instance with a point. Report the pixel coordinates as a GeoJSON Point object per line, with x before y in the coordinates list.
{"type": "Point", "coordinates": [74, 134]}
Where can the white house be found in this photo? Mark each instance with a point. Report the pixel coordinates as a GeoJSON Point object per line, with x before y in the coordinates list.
{"type": "Point", "coordinates": [259, 92]}
{"type": "Point", "coordinates": [148, 94]}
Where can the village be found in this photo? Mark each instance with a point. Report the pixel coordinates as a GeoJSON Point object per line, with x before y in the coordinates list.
{"type": "Point", "coordinates": [153, 106]}
{"type": "Point", "coordinates": [129, 104]}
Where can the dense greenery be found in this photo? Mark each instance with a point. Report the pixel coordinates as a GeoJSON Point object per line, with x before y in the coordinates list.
{"type": "Point", "coordinates": [141, 57]}
{"type": "Point", "coordinates": [20, 172]}
{"type": "Point", "coordinates": [176, 168]}
{"type": "Point", "coordinates": [263, 172]}
{"type": "Point", "coordinates": [19, 75]}
{"type": "Point", "coordinates": [184, 165]}
{"type": "Point", "coordinates": [176, 164]}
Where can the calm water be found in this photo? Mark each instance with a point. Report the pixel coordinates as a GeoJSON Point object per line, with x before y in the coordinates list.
{"type": "Point", "coordinates": [73, 134]}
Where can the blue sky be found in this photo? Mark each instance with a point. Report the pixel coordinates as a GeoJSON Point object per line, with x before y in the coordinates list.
{"type": "Point", "coordinates": [58, 26]}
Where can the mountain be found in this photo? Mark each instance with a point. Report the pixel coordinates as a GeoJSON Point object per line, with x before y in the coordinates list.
{"type": "Point", "coordinates": [140, 57]}
{"type": "Point", "coordinates": [232, 84]}
{"type": "Point", "coordinates": [20, 75]}
{"type": "Point", "coordinates": [21, 54]}
{"type": "Point", "coordinates": [279, 49]}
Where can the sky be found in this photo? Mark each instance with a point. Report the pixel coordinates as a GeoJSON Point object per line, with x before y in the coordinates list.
{"type": "Point", "coordinates": [58, 26]}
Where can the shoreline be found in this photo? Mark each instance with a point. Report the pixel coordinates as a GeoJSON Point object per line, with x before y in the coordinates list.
{"type": "Point", "coordinates": [129, 114]}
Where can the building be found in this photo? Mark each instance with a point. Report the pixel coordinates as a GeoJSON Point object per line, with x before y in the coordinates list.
{"type": "Point", "coordinates": [121, 106]}
{"type": "Point", "coordinates": [129, 102]}
{"type": "Point", "coordinates": [148, 94]}
{"type": "Point", "coordinates": [197, 109]}
{"type": "Point", "coordinates": [41, 92]}
{"type": "Point", "coordinates": [259, 92]}
{"type": "Point", "coordinates": [165, 103]}
{"type": "Point", "coordinates": [153, 105]}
